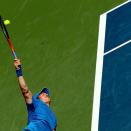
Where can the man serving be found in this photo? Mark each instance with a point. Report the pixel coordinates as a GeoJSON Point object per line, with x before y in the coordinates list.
{"type": "Point", "coordinates": [40, 116]}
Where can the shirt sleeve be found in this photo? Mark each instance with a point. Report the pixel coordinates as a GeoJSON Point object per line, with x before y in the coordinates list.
{"type": "Point", "coordinates": [30, 107]}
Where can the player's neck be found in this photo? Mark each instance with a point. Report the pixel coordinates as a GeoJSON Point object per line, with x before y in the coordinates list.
{"type": "Point", "coordinates": [47, 103]}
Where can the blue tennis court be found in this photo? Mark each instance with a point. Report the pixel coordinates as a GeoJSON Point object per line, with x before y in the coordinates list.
{"type": "Point", "coordinates": [112, 97]}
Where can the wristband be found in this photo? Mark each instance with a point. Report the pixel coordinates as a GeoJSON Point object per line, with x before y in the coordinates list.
{"type": "Point", "coordinates": [19, 71]}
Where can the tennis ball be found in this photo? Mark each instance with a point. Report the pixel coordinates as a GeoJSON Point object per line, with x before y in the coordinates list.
{"type": "Point", "coordinates": [6, 22]}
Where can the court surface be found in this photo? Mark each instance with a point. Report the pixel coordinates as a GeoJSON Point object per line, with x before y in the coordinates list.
{"type": "Point", "coordinates": [113, 73]}
{"type": "Point", "coordinates": [56, 41]}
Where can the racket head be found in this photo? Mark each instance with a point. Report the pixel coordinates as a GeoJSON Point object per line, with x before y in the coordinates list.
{"type": "Point", "coordinates": [4, 28]}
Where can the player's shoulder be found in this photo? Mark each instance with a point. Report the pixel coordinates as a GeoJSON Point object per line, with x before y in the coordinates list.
{"type": "Point", "coordinates": [30, 106]}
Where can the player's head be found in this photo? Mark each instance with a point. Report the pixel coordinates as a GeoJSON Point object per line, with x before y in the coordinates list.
{"type": "Point", "coordinates": [45, 96]}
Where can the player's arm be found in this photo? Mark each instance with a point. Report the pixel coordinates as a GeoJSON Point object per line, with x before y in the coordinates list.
{"type": "Point", "coordinates": [25, 91]}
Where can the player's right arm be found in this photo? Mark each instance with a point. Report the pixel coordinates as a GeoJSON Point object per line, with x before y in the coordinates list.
{"type": "Point", "coordinates": [23, 86]}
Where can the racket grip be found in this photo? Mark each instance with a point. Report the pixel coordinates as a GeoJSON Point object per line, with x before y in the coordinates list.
{"type": "Point", "coordinates": [14, 54]}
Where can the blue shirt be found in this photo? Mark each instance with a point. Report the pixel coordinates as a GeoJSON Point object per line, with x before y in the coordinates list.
{"type": "Point", "coordinates": [40, 116]}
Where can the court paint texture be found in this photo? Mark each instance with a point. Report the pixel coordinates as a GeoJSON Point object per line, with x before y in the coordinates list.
{"type": "Point", "coordinates": [57, 44]}
{"type": "Point", "coordinates": [115, 92]}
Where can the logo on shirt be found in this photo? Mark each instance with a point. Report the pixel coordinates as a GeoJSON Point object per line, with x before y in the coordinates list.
{"type": "Point", "coordinates": [50, 112]}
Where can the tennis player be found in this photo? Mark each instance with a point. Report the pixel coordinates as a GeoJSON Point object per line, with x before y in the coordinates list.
{"type": "Point", "coordinates": [40, 116]}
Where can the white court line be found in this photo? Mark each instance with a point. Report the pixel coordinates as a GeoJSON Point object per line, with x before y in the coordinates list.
{"type": "Point", "coordinates": [98, 74]}
{"type": "Point", "coordinates": [117, 6]}
{"type": "Point", "coordinates": [117, 47]}
{"type": "Point", "coordinates": [99, 69]}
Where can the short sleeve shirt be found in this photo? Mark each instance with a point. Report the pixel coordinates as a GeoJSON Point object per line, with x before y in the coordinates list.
{"type": "Point", "coordinates": [39, 111]}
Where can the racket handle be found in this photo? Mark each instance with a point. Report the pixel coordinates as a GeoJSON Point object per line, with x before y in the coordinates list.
{"type": "Point", "coordinates": [14, 54]}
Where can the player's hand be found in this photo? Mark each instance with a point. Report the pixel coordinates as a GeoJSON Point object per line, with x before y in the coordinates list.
{"type": "Point", "coordinates": [17, 63]}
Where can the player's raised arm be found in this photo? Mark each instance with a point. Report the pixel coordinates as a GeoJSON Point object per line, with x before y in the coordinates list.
{"type": "Point", "coordinates": [25, 91]}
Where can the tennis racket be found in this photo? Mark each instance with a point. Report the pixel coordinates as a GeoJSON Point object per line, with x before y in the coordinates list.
{"type": "Point", "coordinates": [7, 36]}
